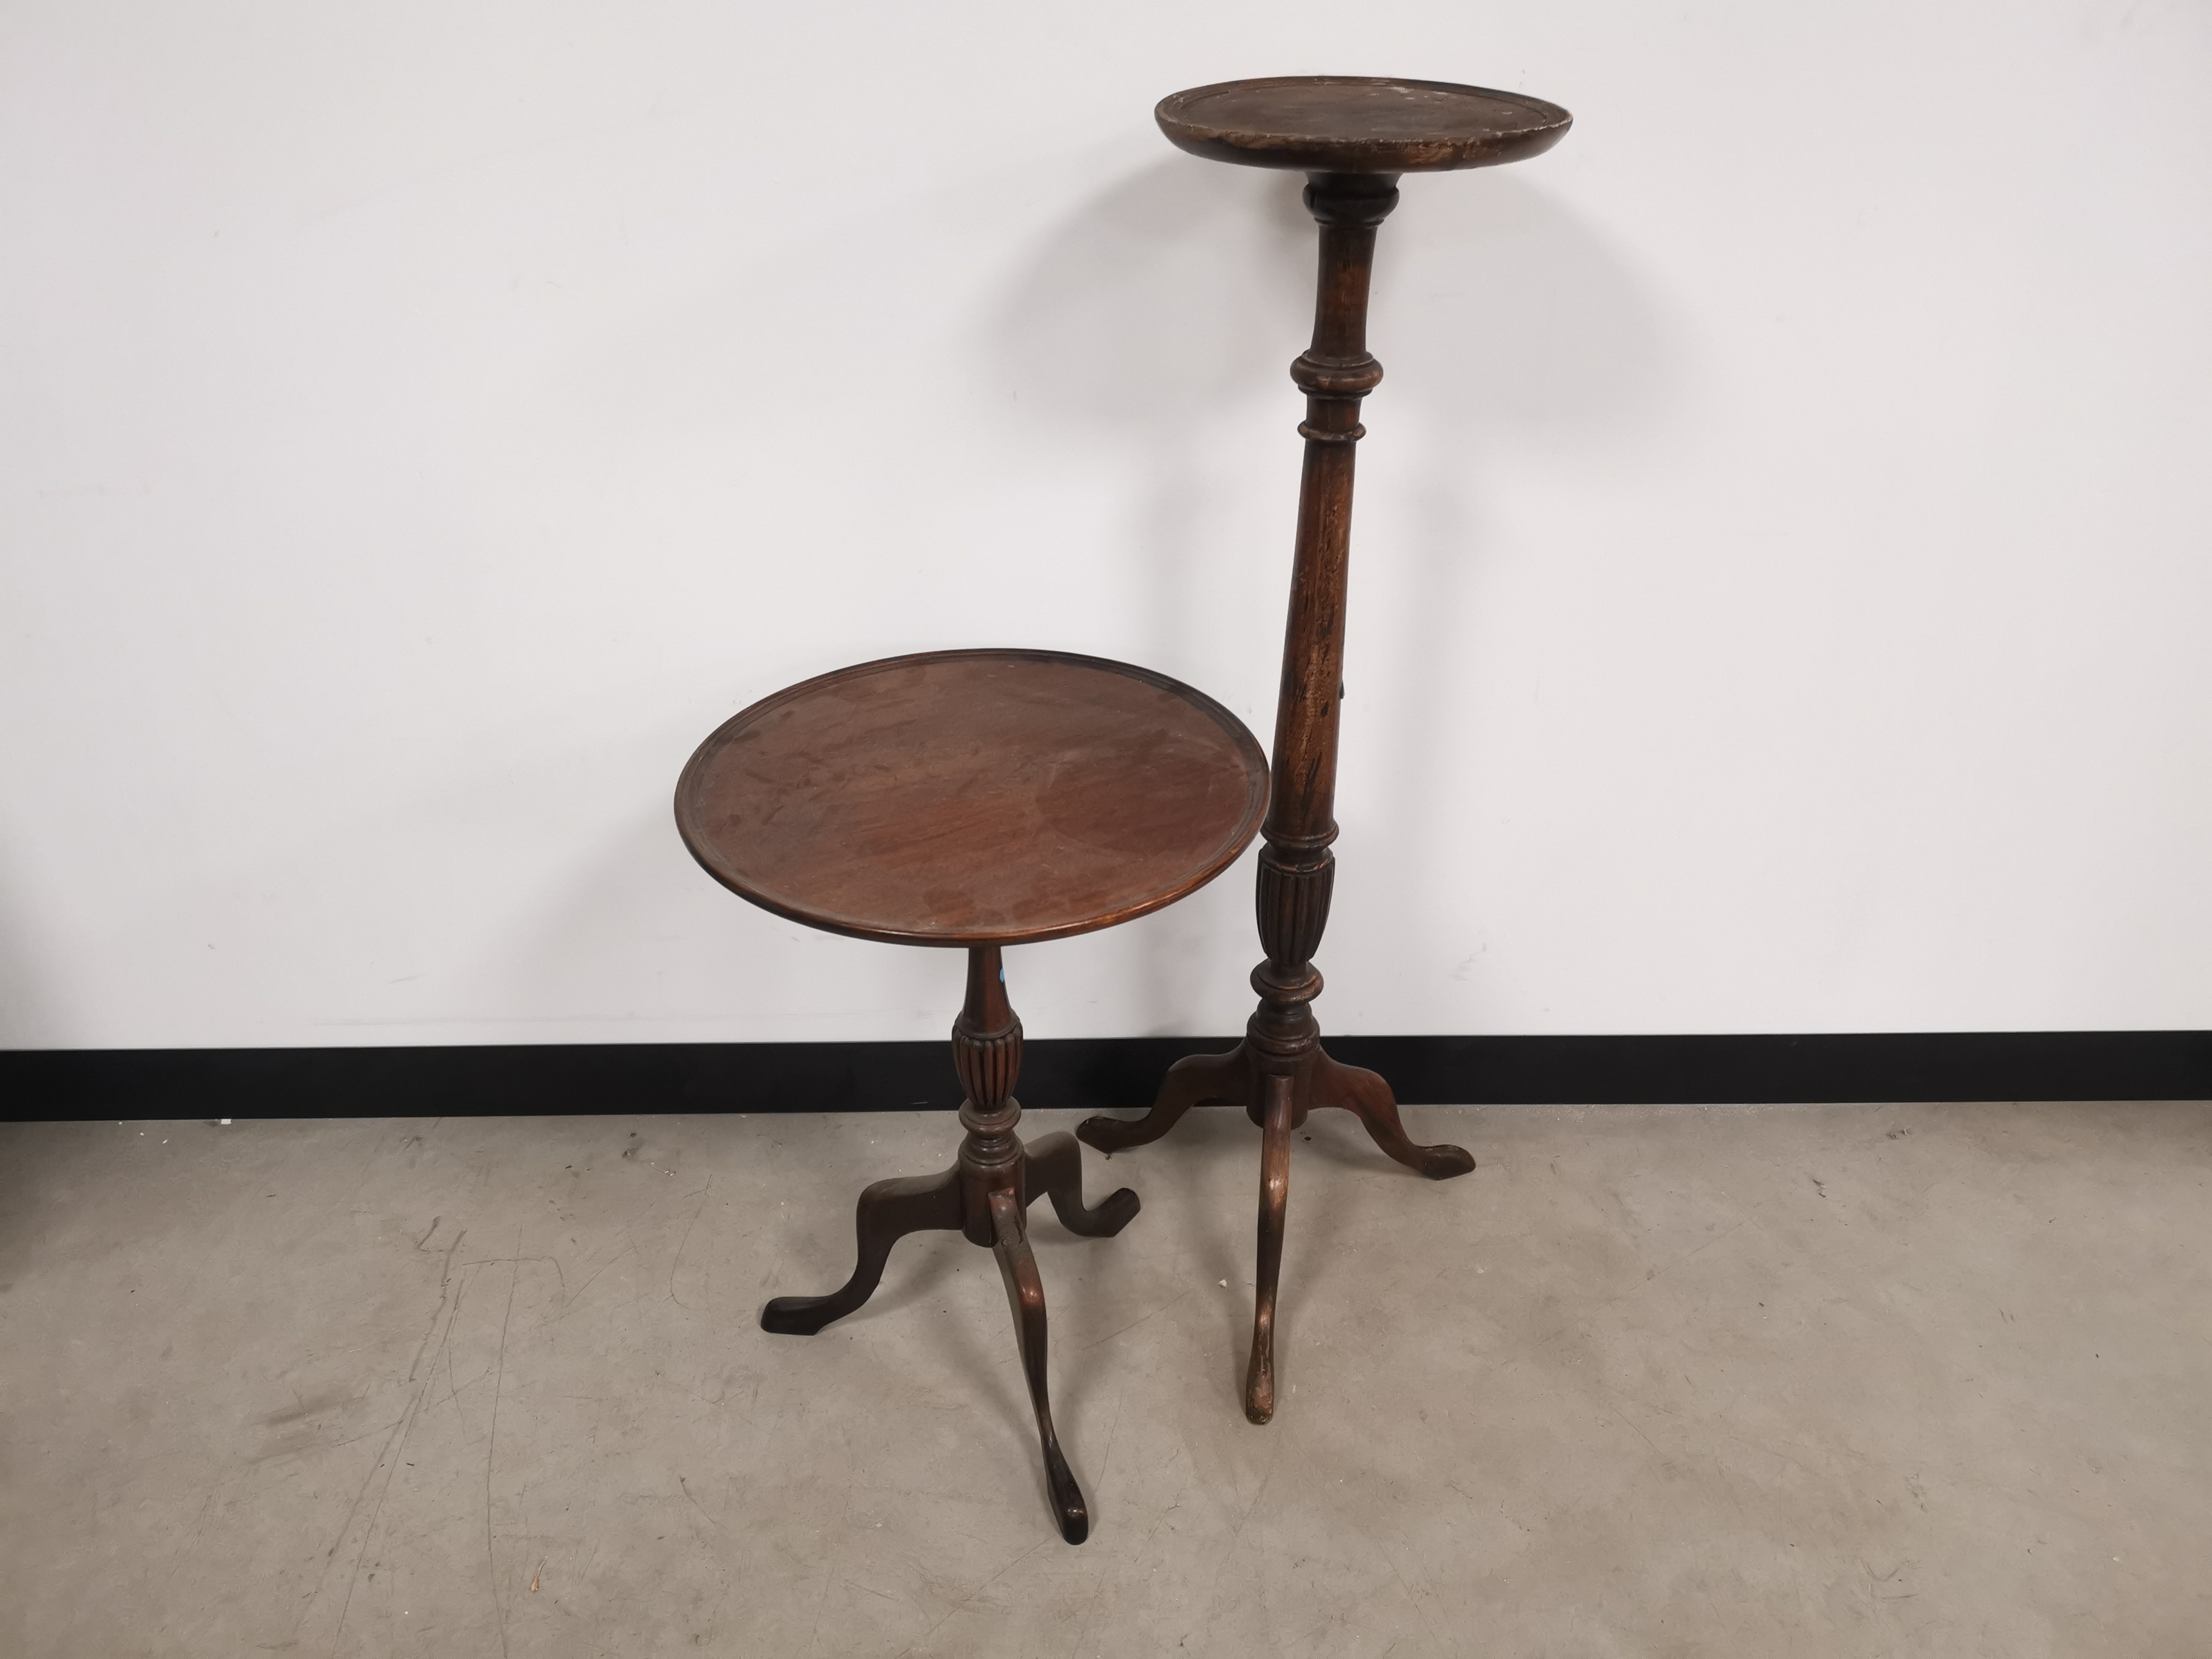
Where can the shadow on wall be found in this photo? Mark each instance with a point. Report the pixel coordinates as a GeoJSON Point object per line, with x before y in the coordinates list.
{"type": "Point", "coordinates": [1505, 322]}
{"type": "Point", "coordinates": [1158, 318]}
{"type": "Point", "coordinates": [1188, 286]}
{"type": "Point", "coordinates": [1502, 319]}
{"type": "Point", "coordinates": [1159, 300]}
{"type": "Point", "coordinates": [1510, 328]}
{"type": "Point", "coordinates": [1142, 320]}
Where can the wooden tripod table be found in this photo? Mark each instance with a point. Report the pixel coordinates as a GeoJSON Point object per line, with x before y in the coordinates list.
{"type": "Point", "coordinates": [1353, 138]}
{"type": "Point", "coordinates": [979, 798]}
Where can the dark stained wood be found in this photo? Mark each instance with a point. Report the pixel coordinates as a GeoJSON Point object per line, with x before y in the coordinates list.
{"type": "Point", "coordinates": [1354, 136]}
{"type": "Point", "coordinates": [1274, 1201]}
{"type": "Point", "coordinates": [1053, 1166]}
{"type": "Point", "coordinates": [1360, 123]}
{"type": "Point", "coordinates": [887, 1212]}
{"type": "Point", "coordinates": [973, 797]}
{"type": "Point", "coordinates": [979, 798]}
{"type": "Point", "coordinates": [1026, 1297]}
{"type": "Point", "coordinates": [985, 1197]}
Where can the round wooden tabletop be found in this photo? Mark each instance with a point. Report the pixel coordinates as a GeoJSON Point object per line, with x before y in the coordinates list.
{"type": "Point", "coordinates": [973, 796]}
{"type": "Point", "coordinates": [1360, 123]}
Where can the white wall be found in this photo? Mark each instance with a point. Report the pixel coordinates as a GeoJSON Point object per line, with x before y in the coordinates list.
{"type": "Point", "coordinates": [1780, 595]}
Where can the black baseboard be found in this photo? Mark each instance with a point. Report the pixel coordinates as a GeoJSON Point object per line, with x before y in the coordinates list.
{"type": "Point", "coordinates": [1116, 1073]}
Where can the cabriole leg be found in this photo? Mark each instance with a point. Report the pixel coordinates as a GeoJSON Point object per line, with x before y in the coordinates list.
{"type": "Point", "coordinates": [1368, 1097]}
{"type": "Point", "coordinates": [1055, 1171]}
{"type": "Point", "coordinates": [1025, 1296]}
{"type": "Point", "coordinates": [887, 1212]}
{"type": "Point", "coordinates": [1190, 1081]}
{"type": "Point", "coordinates": [1274, 1200]}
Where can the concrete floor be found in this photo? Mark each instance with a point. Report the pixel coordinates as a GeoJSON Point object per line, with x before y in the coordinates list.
{"type": "Point", "coordinates": [1801, 1381]}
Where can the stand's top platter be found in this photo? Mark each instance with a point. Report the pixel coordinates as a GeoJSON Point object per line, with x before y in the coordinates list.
{"type": "Point", "coordinates": [1360, 123]}
{"type": "Point", "coordinates": [973, 796]}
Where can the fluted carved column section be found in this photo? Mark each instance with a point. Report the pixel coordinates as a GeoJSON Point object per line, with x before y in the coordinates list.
{"type": "Point", "coordinates": [986, 1054]}
{"type": "Point", "coordinates": [1292, 902]}
{"type": "Point", "coordinates": [1297, 870]}
{"type": "Point", "coordinates": [988, 1064]}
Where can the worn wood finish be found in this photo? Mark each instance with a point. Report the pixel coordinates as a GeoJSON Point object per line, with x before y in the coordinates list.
{"type": "Point", "coordinates": [971, 797]}
{"type": "Point", "coordinates": [1354, 136]}
{"type": "Point", "coordinates": [1017, 1268]}
{"type": "Point", "coordinates": [1267, 1269]}
{"type": "Point", "coordinates": [978, 798]}
{"type": "Point", "coordinates": [984, 1196]}
{"type": "Point", "coordinates": [1360, 123]}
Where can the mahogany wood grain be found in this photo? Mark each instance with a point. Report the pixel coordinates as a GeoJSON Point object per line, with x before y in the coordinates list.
{"type": "Point", "coordinates": [1274, 1201]}
{"type": "Point", "coordinates": [979, 798]}
{"type": "Point", "coordinates": [973, 796]}
{"type": "Point", "coordinates": [984, 1197]}
{"type": "Point", "coordinates": [1354, 136]}
{"type": "Point", "coordinates": [1026, 1297]}
{"type": "Point", "coordinates": [1360, 123]}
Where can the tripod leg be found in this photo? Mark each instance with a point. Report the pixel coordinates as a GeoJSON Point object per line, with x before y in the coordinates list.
{"type": "Point", "coordinates": [1274, 1199]}
{"type": "Point", "coordinates": [887, 1212]}
{"type": "Point", "coordinates": [1192, 1079]}
{"type": "Point", "coordinates": [1055, 1171]}
{"type": "Point", "coordinates": [1025, 1295]}
{"type": "Point", "coordinates": [1368, 1097]}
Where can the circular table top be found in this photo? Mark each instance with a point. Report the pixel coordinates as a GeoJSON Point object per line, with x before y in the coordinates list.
{"type": "Point", "coordinates": [973, 796]}
{"type": "Point", "coordinates": [1360, 123]}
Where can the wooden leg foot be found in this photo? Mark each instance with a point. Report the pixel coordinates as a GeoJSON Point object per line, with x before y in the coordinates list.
{"type": "Point", "coordinates": [1055, 1171]}
{"type": "Point", "coordinates": [1274, 1200]}
{"type": "Point", "coordinates": [1025, 1295]}
{"type": "Point", "coordinates": [887, 1212]}
{"type": "Point", "coordinates": [1369, 1098]}
{"type": "Point", "coordinates": [1190, 1080]}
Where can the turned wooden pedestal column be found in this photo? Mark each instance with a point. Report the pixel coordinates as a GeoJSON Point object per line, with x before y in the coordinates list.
{"type": "Point", "coordinates": [984, 1196]}
{"type": "Point", "coordinates": [1353, 137]}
